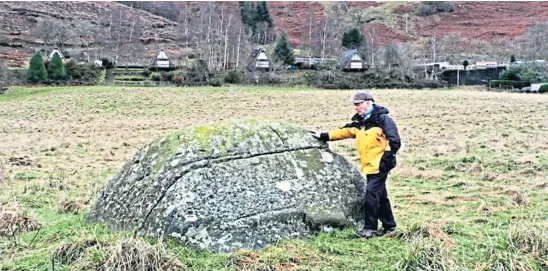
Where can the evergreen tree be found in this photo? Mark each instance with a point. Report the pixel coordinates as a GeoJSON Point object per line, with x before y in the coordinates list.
{"type": "Point", "coordinates": [253, 15]}
{"type": "Point", "coordinates": [247, 13]}
{"type": "Point", "coordinates": [283, 50]}
{"type": "Point", "coordinates": [262, 13]}
{"type": "Point", "coordinates": [37, 70]}
{"type": "Point", "coordinates": [465, 64]}
{"type": "Point", "coordinates": [56, 68]}
{"type": "Point", "coordinates": [352, 39]}
{"type": "Point", "coordinates": [512, 59]}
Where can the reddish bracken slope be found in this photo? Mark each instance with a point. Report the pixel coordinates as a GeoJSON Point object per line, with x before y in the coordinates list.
{"type": "Point", "coordinates": [480, 20]}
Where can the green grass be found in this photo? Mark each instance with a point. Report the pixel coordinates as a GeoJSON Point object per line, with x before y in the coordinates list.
{"type": "Point", "coordinates": [468, 200]}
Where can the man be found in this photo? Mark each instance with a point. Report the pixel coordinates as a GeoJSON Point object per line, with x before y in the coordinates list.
{"type": "Point", "coordinates": [377, 142]}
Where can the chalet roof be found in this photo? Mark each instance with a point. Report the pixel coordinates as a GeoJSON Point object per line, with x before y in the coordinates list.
{"type": "Point", "coordinates": [162, 55]}
{"type": "Point", "coordinates": [349, 54]}
{"type": "Point", "coordinates": [56, 51]}
{"type": "Point", "coordinates": [256, 54]}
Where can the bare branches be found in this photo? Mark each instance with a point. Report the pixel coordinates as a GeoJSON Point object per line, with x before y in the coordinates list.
{"type": "Point", "coordinates": [53, 32]}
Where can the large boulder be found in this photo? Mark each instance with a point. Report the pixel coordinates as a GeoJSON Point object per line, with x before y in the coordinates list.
{"type": "Point", "coordinates": [234, 184]}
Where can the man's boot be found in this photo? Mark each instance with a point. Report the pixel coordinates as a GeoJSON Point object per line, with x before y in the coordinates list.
{"type": "Point", "coordinates": [384, 231]}
{"type": "Point", "coordinates": [367, 233]}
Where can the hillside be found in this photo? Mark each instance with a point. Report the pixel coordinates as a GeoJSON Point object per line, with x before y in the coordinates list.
{"type": "Point", "coordinates": [479, 20]}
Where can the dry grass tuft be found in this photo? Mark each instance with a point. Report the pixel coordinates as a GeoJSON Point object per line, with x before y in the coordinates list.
{"type": "Point", "coordinates": [16, 221]}
{"type": "Point", "coordinates": [138, 255]}
{"type": "Point", "coordinates": [431, 231]}
{"type": "Point", "coordinates": [68, 253]}
{"type": "Point", "coordinates": [519, 198]}
{"type": "Point", "coordinates": [506, 261]}
{"type": "Point", "coordinates": [529, 240]}
{"type": "Point", "coordinates": [427, 254]}
{"type": "Point", "coordinates": [69, 206]}
{"type": "Point", "coordinates": [488, 208]}
{"type": "Point", "coordinates": [247, 259]}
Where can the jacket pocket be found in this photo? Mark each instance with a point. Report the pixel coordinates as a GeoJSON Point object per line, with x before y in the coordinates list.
{"type": "Point", "coordinates": [388, 162]}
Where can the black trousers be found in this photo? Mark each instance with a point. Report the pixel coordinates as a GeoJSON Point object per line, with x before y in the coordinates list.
{"type": "Point", "coordinates": [377, 205]}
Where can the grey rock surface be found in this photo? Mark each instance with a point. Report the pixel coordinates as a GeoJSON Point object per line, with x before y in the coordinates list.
{"type": "Point", "coordinates": [233, 184]}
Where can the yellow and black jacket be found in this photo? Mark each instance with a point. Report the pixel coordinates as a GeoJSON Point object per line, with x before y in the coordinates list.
{"type": "Point", "coordinates": [377, 140]}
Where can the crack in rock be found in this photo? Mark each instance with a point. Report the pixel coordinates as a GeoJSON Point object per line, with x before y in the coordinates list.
{"type": "Point", "coordinates": [231, 185]}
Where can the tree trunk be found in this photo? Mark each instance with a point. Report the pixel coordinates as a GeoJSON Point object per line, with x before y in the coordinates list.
{"type": "Point", "coordinates": [324, 37]}
{"type": "Point", "coordinates": [226, 43]}
{"type": "Point", "coordinates": [208, 39]}
{"type": "Point", "coordinates": [238, 48]}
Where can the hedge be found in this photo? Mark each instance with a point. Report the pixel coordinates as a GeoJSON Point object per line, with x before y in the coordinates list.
{"type": "Point", "coordinates": [543, 88]}
{"type": "Point", "coordinates": [514, 84]}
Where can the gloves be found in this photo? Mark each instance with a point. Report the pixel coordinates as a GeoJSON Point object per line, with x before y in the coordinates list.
{"type": "Point", "coordinates": [319, 136]}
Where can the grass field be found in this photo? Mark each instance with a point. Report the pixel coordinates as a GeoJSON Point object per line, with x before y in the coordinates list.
{"type": "Point", "coordinates": [470, 191]}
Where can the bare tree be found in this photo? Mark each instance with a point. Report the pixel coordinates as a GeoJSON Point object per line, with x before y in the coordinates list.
{"type": "Point", "coordinates": [53, 32]}
{"type": "Point", "coordinates": [85, 32]}
{"type": "Point", "coordinates": [185, 19]}
{"type": "Point", "coordinates": [391, 56]}
{"type": "Point", "coordinates": [449, 48]}
{"type": "Point", "coordinates": [120, 34]}
{"type": "Point", "coordinates": [333, 29]}
{"type": "Point", "coordinates": [309, 35]}
{"type": "Point", "coordinates": [373, 46]}
{"type": "Point", "coordinates": [45, 29]}
{"type": "Point", "coordinates": [534, 43]}
{"type": "Point", "coordinates": [324, 35]}
{"type": "Point", "coordinates": [3, 75]}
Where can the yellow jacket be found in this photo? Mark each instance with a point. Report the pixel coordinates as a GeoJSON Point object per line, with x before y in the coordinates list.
{"type": "Point", "coordinates": [371, 139]}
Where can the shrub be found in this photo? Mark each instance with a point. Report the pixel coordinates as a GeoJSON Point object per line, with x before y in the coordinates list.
{"type": "Point", "coordinates": [37, 70]}
{"type": "Point", "coordinates": [514, 84]}
{"type": "Point", "coordinates": [233, 77]}
{"type": "Point", "coordinates": [146, 72]}
{"type": "Point", "coordinates": [510, 74]}
{"type": "Point", "coordinates": [169, 76]}
{"type": "Point", "coordinates": [84, 72]}
{"type": "Point", "coordinates": [106, 63]}
{"type": "Point", "coordinates": [56, 68]}
{"type": "Point", "coordinates": [101, 77]}
{"type": "Point", "coordinates": [524, 73]}
{"type": "Point", "coordinates": [130, 78]}
{"type": "Point", "coordinates": [156, 76]}
{"type": "Point", "coordinates": [198, 74]}
{"type": "Point", "coordinates": [543, 89]}
{"type": "Point", "coordinates": [369, 79]}
{"type": "Point", "coordinates": [164, 75]}
{"type": "Point", "coordinates": [427, 8]}
{"type": "Point", "coordinates": [178, 79]}
{"type": "Point", "coordinates": [215, 83]}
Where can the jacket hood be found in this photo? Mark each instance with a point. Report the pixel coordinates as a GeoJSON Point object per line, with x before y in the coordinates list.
{"type": "Point", "coordinates": [378, 111]}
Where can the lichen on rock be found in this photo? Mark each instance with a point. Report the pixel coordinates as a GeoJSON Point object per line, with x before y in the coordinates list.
{"type": "Point", "coordinates": [233, 184]}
